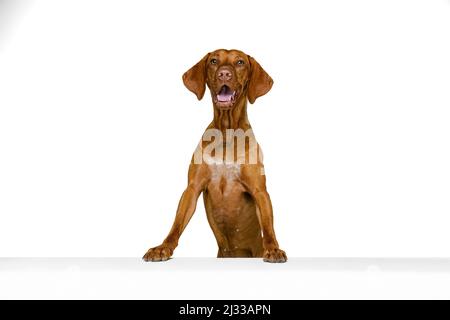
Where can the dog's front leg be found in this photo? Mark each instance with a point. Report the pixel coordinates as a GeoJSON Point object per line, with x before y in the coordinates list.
{"type": "Point", "coordinates": [255, 184]}
{"type": "Point", "coordinates": [272, 251]}
{"type": "Point", "coordinates": [186, 209]}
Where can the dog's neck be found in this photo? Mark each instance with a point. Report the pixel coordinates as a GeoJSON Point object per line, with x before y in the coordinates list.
{"type": "Point", "coordinates": [235, 118]}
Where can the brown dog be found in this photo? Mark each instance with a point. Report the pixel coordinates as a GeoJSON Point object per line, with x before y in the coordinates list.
{"type": "Point", "coordinates": [237, 204]}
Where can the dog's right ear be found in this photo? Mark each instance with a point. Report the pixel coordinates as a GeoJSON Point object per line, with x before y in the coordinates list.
{"type": "Point", "coordinates": [195, 78]}
{"type": "Point", "coordinates": [260, 82]}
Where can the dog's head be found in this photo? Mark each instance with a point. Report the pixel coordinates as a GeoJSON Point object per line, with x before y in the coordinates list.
{"type": "Point", "coordinates": [231, 75]}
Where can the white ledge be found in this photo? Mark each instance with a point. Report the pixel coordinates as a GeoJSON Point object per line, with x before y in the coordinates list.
{"type": "Point", "coordinates": [211, 278]}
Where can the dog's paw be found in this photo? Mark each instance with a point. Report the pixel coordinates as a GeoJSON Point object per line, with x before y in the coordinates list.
{"type": "Point", "coordinates": [275, 256]}
{"type": "Point", "coordinates": [159, 253]}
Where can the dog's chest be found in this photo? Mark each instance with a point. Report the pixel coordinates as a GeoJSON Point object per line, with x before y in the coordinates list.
{"type": "Point", "coordinates": [225, 179]}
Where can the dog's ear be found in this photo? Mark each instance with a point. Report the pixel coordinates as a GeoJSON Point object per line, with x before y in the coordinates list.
{"type": "Point", "coordinates": [195, 78]}
{"type": "Point", "coordinates": [260, 82]}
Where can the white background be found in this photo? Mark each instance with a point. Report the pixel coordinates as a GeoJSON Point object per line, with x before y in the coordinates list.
{"type": "Point", "coordinates": [97, 129]}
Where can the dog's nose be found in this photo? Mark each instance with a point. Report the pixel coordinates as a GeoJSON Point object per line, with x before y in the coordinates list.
{"type": "Point", "coordinates": [224, 74]}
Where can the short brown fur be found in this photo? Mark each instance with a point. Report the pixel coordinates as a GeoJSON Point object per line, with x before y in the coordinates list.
{"type": "Point", "coordinates": [237, 204]}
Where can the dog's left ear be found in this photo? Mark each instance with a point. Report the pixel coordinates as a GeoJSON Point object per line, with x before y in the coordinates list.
{"type": "Point", "coordinates": [195, 78]}
{"type": "Point", "coordinates": [260, 82]}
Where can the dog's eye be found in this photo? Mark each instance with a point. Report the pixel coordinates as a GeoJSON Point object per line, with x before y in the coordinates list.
{"type": "Point", "coordinates": [240, 62]}
{"type": "Point", "coordinates": [213, 61]}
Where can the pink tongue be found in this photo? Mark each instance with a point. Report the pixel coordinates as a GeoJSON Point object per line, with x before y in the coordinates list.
{"type": "Point", "coordinates": [225, 94]}
{"type": "Point", "coordinates": [224, 97]}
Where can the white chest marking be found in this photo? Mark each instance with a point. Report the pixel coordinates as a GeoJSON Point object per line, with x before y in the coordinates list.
{"type": "Point", "coordinates": [228, 171]}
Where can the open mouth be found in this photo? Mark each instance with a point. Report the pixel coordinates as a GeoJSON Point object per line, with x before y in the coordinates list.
{"type": "Point", "coordinates": [226, 97]}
